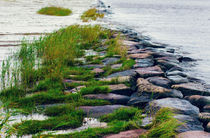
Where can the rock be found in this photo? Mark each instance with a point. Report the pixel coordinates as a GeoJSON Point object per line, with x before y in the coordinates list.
{"type": "Point", "coordinates": [139, 100]}
{"type": "Point", "coordinates": [75, 90]}
{"type": "Point", "coordinates": [189, 89]}
{"type": "Point", "coordinates": [113, 98]}
{"type": "Point", "coordinates": [130, 73]}
{"type": "Point", "coordinates": [147, 88]}
{"type": "Point", "coordinates": [128, 134]}
{"type": "Point", "coordinates": [118, 79]}
{"type": "Point", "coordinates": [170, 50]}
{"type": "Point", "coordinates": [72, 81]}
{"type": "Point", "coordinates": [199, 101]}
{"type": "Point", "coordinates": [98, 71]}
{"type": "Point", "coordinates": [204, 117]}
{"type": "Point", "coordinates": [177, 79]}
{"type": "Point", "coordinates": [189, 123]}
{"type": "Point", "coordinates": [116, 66]}
{"type": "Point", "coordinates": [97, 111]}
{"type": "Point", "coordinates": [186, 59]}
{"type": "Point", "coordinates": [136, 51]}
{"type": "Point", "coordinates": [176, 72]}
{"type": "Point", "coordinates": [146, 121]}
{"type": "Point", "coordinates": [108, 61]}
{"type": "Point", "coordinates": [167, 65]}
{"type": "Point", "coordinates": [140, 55]}
{"type": "Point", "coordinates": [141, 63]}
{"type": "Point", "coordinates": [194, 134]}
{"type": "Point", "coordinates": [93, 66]}
{"type": "Point", "coordinates": [160, 81]}
{"type": "Point", "coordinates": [90, 52]}
{"type": "Point", "coordinates": [208, 127]}
{"type": "Point", "coordinates": [149, 72]}
{"type": "Point", "coordinates": [178, 105]}
{"type": "Point", "coordinates": [206, 108]}
{"type": "Point", "coordinates": [152, 44]}
{"type": "Point", "coordinates": [121, 89]}
{"type": "Point", "coordinates": [129, 43]}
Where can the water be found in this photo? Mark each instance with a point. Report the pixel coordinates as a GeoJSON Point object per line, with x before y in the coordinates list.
{"type": "Point", "coordinates": [183, 24]}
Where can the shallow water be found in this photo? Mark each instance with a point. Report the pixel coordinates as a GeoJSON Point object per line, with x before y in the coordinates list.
{"type": "Point", "coordinates": [183, 24]}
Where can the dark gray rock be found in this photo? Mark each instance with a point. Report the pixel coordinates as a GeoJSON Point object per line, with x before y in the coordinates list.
{"type": "Point", "coordinates": [97, 111]}
{"type": "Point", "coordinates": [93, 66]}
{"type": "Point", "coordinates": [130, 72]}
{"type": "Point", "coordinates": [149, 72]}
{"type": "Point", "coordinates": [177, 79]}
{"type": "Point", "coordinates": [160, 81]}
{"type": "Point", "coordinates": [190, 123]}
{"type": "Point", "coordinates": [171, 50]}
{"type": "Point", "coordinates": [108, 61]}
{"type": "Point", "coordinates": [139, 100]}
{"type": "Point", "coordinates": [113, 98]}
{"type": "Point", "coordinates": [152, 44]}
{"type": "Point", "coordinates": [141, 63]}
{"type": "Point", "coordinates": [178, 105]}
{"type": "Point", "coordinates": [186, 59]}
{"type": "Point", "coordinates": [176, 72]}
{"type": "Point", "coordinates": [167, 65]}
{"type": "Point", "coordinates": [121, 89]}
{"type": "Point", "coordinates": [206, 108]}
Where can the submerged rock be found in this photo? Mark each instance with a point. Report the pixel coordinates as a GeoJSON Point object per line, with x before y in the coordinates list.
{"type": "Point", "coordinates": [189, 123]}
{"type": "Point", "coordinates": [149, 72]}
{"type": "Point", "coordinates": [178, 105]}
{"type": "Point", "coordinates": [194, 134]}
{"type": "Point", "coordinates": [97, 111]}
{"type": "Point", "coordinates": [121, 89]}
{"type": "Point", "coordinates": [127, 134]}
{"type": "Point", "coordinates": [192, 89]}
{"type": "Point", "coordinates": [113, 98]}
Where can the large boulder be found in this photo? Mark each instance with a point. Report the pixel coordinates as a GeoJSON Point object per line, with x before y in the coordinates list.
{"type": "Point", "coordinates": [194, 134]}
{"type": "Point", "coordinates": [179, 106]}
{"type": "Point", "coordinates": [149, 72]}
{"type": "Point", "coordinates": [121, 89]}
{"type": "Point", "coordinates": [189, 89]}
{"type": "Point", "coordinates": [147, 88]}
{"type": "Point", "coordinates": [97, 111]}
{"type": "Point", "coordinates": [127, 134]}
{"type": "Point", "coordinates": [160, 81]}
{"type": "Point", "coordinates": [198, 100]}
{"type": "Point", "coordinates": [188, 123]}
{"type": "Point", "coordinates": [113, 98]}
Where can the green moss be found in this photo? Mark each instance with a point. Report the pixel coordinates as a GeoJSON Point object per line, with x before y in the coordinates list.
{"type": "Point", "coordinates": [56, 11]}
{"type": "Point", "coordinates": [91, 14]}
{"type": "Point", "coordinates": [95, 90]}
{"type": "Point", "coordinates": [122, 114]}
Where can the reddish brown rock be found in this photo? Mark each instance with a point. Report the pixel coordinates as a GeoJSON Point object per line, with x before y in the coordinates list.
{"type": "Point", "coordinates": [113, 98]}
{"type": "Point", "coordinates": [121, 89]}
{"type": "Point", "coordinates": [198, 100]}
{"type": "Point", "coordinates": [189, 89]}
{"type": "Point", "coordinates": [204, 117]}
{"type": "Point", "coordinates": [194, 134]}
{"type": "Point", "coordinates": [128, 134]}
{"type": "Point", "coordinates": [208, 127]}
{"type": "Point", "coordinates": [149, 72]}
{"type": "Point", "coordinates": [140, 55]}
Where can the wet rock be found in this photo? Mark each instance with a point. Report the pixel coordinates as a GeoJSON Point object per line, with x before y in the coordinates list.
{"type": "Point", "coordinates": [189, 89]}
{"type": "Point", "coordinates": [149, 72]}
{"type": "Point", "coordinates": [204, 117]}
{"type": "Point", "coordinates": [97, 111]}
{"type": "Point", "coordinates": [194, 134]}
{"type": "Point", "coordinates": [127, 134]}
{"type": "Point", "coordinates": [140, 55]}
{"type": "Point", "coordinates": [98, 71]}
{"type": "Point", "coordinates": [167, 65]}
{"type": "Point", "coordinates": [153, 45]}
{"type": "Point", "coordinates": [113, 98]}
{"type": "Point", "coordinates": [177, 79]}
{"type": "Point", "coordinates": [178, 105]}
{"type": "Point", "coordinates": [206, 108]}
{"type": "Point", "coordinates": [160, 81]}
{"type": "Point", "coordinates": [121, 89]}
{"type": "Point", "coordinates": [108, 61]}
{"type": "Point", "coordinates": [130, 73]}
{"type": "Point", "coordinates": [186, 59]}
{"type": "Point", "coordinates": [175, 73]}
{"type": "Point", "coordinates": [147, 88]}
{"type": "Point", "coordinates": [93, 66]}
{"type": "Point", "coordinates": [190, 123]}
{"type": "Point", "coordinates": [141, 63]}
{"type": "Point", "coordinates": [198, 100]}
{"type": "Point", "coordinates": [75, 90]}
{"type": "Point", "coordinates": [139, 100]}
{"type": "Point", "coordinates": [170, 50]}
{"type": "Point", "coordinates": [116, 66]}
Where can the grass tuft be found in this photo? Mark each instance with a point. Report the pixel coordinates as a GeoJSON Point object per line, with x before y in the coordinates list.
{"type": "Point", "coordinates": [56, 11]}
{"type": "Point", "coordinates": [91, 14]}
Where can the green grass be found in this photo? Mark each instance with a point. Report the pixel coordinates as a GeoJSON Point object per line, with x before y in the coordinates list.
{"type": "Point", "coordinates": [95, 90]}
{"type": "Point", "coordinates": [164, 125]}
{"type": "Point", "coordinates": [56, 11]}
{"type": "Point", "coordinates": [91, 14]}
